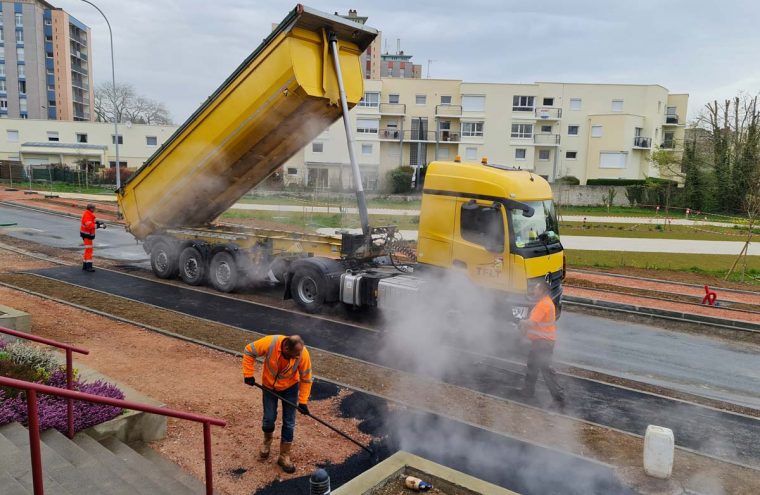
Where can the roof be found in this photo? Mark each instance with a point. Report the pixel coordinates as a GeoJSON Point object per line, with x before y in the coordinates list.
{"type": "Point", "coordinates": [53, 144]}
{"type": "Point", "coordinates": [486, 181]}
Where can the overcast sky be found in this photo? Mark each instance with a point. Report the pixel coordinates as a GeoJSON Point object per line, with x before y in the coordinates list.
{"type": "Point", "coordinates": [179, 51]}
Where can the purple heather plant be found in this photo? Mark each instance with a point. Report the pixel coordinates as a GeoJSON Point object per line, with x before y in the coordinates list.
{"type": "Point", "coordinates": [52, 409]}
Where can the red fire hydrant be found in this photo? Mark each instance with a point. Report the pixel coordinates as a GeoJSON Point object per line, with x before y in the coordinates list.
{"type": "Point", "coordinates": [710, 297]}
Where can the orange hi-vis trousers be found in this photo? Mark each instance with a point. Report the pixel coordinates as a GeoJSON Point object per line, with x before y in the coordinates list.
{"type": "Point", "coordinates": [87, 250]}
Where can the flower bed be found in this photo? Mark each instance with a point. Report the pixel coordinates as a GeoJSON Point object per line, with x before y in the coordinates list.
{"type": "Point", "coordinates": [25, 362]}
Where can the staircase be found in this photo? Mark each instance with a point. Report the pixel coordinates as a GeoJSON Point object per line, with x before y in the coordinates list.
{"type": "Point", "coordinates": [86, 466]}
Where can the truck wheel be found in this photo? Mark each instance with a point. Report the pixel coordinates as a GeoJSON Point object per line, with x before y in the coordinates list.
{"type": "Point", "coordinates": [308, 288]}
{"type": "Point", "coordinates": [163, 260]}
{"type": "Point", "coordinates": [223, 272]}
{"type": "Point", "coordinates": [192, 267]}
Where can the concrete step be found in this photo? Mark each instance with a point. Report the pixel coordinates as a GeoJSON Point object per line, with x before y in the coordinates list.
{"type": "Point", "coordinates": [9, 485]}
{"type": "Point", "coordinates": [53, 465]}
{"type": "Point", "coordinates": [192, 483]}
{"type": "Point", "coordinates": [134, 479]}
{"type": "Point", "coordinates": [18, 464]}
{"type": "Point", "coordinates": [145, 467]}
{"type": "Point", "coordinates": [87, 464]}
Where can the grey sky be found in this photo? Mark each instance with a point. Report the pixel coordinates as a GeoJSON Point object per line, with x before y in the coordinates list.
{"type": "Point", "coordinates": [178, 52]}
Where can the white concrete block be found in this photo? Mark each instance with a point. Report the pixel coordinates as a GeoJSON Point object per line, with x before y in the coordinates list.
{"type": "Point", "coordinates": [659, 449]}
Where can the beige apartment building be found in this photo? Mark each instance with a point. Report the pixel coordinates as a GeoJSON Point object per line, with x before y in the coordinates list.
{"type": "Point", "coordinates": [37, 143]}
{"type": "Point", "coordinates": [589, 131]}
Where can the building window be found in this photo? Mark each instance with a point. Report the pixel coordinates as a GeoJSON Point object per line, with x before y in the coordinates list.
{"type": "Point", "coordinates": [2, 33]}
{"type": "Point", "coordinates": [523, 103]}
{"type": "Point", "coordinates": [4, 103]}
{"type": "Point", "coordinates": [443, 153]}
{"type": "Point", "coordinates": [572, 130]}
{"type": "Point", "coordinates": [3, 86]}
{"type": "Point", "coordinates": [522, 131]}
{"type": "Point", "coordinates": [12, 135]}
{"type": "Point", "coordinates": [546, 129]}
{"type": "Point", "coordinates": [81, 137]}
{"type": "Point", "coordinates": [21, 70]}
{"type": "Point", "coordinates": [596, 131]}
{"type": "Point", "coordinates": [20, 54]}
{"type": "Point", "coordinates": [394, 99]}
{"type": "Point", "coordinates": [366, 149]}
{"type": "Point", "coordinates": [370, 100]}
{"type": "Point", "coordinates": [471, 153]}
{"type": "Point", "coordinates": [52, 136]}
{"type": "Point", "coordinates": [48, 22]}
{"type": "Point", "coordinates": [22, 87]}
{"type": "Point", "coordinates": [520, 153]}
{"type": "Point", "coordinates": [472, 129]}
{"type": "Point", "coordinates": [23, 104]}
{"type": "Point", "coordinates": [19, 20]}
{"type": "Point", "coordinates": [51, 87]}
{"type": "Point", "coordinates": [317, 147]}
{"type": "Point", "coordinates": [367, 126]}
{"type": "Point", "coordinates": [445, 100]}
{"type": "Point", "coordinates": [617, 105]}
{"type": "Point", "coordinates": [49, 55]}
{"type": "Point", "coordinates": [668, 140]}
{"type": "Point", "coordinates": [151, 141]}
{"type": "Point", "coordinates": [575, 103]}
{"type": "Point", "coordinates": [50, 72]}
{"type": "Point", "coordinates": [571, 155]}
{"type": "Point", "coordinates": [420, 99]}
{"type": "Point", "coordinates": [473, 103]}
{"type": "Point", "coordinates": [2, 68]}
{"type": "Point", "coordinates": [292, 171]}
{"type": "Point", "coordinates": [544, 155]}
{"type": "Point", "coordinates": [319, 178]}
{"type": "Point", "coordinates": [612, 159]}
{"type": "Point", "coordinates": [51, 103]}
{"type": "Point", "coordinates": [113, 140]}
{"type": "Point", "coordinates": [112, 164]}
{"type": "Point", "coordinates": [548, 102]}
{"type": "Point", "coordinates": [20, 36]}
{"type": "Point", "coordinates": [24, 115]}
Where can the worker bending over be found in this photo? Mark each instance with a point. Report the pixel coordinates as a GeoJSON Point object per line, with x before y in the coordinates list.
{"type": "Point", "coordinates": [541, 330]}
{"type": "Point", "coordinates": [87, 233]}
{"type": "Point", "coordinates": [287, 371]}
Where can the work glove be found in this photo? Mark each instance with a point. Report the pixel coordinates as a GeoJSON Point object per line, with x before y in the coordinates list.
{"type": "Point", "coordinates": [249, 380]}
{"type": "Point", "coordinates": [303, 409]}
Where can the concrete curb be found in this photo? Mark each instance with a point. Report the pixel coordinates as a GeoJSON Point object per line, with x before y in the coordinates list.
{"type": "Point", "coordinates": [743, 326]}
{"type": "Point", "coordinates": [15, 319]}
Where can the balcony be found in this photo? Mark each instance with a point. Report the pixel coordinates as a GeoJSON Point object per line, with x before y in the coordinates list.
{"type": "Point", "coordinates": [389, 133]}
{"type": "Point", "coordinates": [548, 113]}
{"type": "Point", "coordinates": [668, 145]}
{"type": "Point", "coordinates": [642, 143]}
{"type": "Point", "coordinates": [447, 136]}
{"type": "Point", "coordinates": [393, 109]}
{"type": "Point", "coordinates": [671, 119]}
{"type": "Point", "coordinates": [546, 139]}
{"type": "Point", "coordinates": [448, 110]}
{"type": "Point", "coordinates": [414, 135]}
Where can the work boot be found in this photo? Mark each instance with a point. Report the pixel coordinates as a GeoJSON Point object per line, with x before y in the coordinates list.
{"type": "Point", "coordinates": [88, 266]}
{"type": "Point", "coordinates": [284, 460]}
{"type": "Point", "coordinates": [266, 445]}
{"type": "Point", "coordinates": [84, 265]}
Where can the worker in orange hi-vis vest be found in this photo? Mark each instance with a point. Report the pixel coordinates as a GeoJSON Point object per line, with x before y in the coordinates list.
{"type": "Point", "coordinates": [287, 372]}
{"type": "Point", "coordinates": [541, 330]}
{"type": "Point", "coordinates": [87, 233]}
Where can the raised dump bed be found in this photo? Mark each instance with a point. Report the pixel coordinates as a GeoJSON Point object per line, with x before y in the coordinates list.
{"type": "Point", "coordinates": [279, 99]}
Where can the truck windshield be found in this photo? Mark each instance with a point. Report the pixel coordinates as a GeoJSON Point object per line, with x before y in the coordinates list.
{"type": "Point", "coordinates": [541, 228]}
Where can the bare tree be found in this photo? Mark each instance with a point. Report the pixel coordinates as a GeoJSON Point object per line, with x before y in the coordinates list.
{"type": "Point", "coordinates": [751, 206]}
{"type": "Point", "coordinates": [123, 104]}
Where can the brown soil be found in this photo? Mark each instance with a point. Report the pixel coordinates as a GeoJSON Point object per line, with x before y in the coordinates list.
{"type": "Point", "coordinates": [676, 276]}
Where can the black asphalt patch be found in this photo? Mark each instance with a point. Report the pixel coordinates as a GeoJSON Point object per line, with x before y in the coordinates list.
{"type": "Point", "coordinates": [719, 433]}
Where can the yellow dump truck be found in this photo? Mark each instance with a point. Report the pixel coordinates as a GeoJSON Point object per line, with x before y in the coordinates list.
{"type": "Point", "coordinates": [494, 224]}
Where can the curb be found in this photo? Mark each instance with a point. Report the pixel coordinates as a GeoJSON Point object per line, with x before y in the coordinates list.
{"type": "Point", "coordinates": [743, 326]}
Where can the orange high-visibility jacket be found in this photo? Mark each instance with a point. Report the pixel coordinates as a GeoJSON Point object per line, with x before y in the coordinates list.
{"type": "Point", "coordinates": [88, 223]}
{"type": "Point", "coordinates": [279, 373]}
{"type": "Point", "coordinates": [542, 320]}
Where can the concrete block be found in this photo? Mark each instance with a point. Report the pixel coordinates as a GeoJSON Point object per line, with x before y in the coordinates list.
{"type": "Point", "coordinates": [15, 319]}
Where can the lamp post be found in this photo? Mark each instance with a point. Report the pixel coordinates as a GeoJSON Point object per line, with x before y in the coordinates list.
{"type": "Point", "coordinates": [113, 82]}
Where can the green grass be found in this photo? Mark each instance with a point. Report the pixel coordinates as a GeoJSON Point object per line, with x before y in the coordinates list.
{"type": "Point", "coordinates": [59, 187]}
{"type": "Point", "coordinates": [622, 211]}
{"type": "Point", "coordinates": [310, 200]}
{"type": "Point", "coordinates": [648, 231]}
{"type": "Point", "coordinates": [319, 220]}
{"type": "Point", "coordinates": [708, 264]}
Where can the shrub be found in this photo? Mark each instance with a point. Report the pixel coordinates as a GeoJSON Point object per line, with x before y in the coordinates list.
{"type": "Point", "coordinates": [569, 180]}
{"type": "Point", "coordinates": [10, 369]}
{"type": "Point", "coordinates": [32, 357]}
{"type": "Point", "coordinates": [400, 180]}
{"type": "Point", "coordinates": [614, 182]}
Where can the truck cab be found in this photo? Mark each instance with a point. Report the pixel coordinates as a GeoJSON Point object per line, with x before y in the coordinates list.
{"type": "Point", "coordinates": [496, 224]}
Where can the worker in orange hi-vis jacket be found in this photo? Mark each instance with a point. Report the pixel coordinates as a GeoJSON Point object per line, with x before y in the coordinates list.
{"type": "Point", "coordinates": [87, 233]}
{"type": "Point", "coordinates": [287, 372]}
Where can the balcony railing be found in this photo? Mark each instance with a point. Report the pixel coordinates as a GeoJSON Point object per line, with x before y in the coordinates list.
{"type": "Point", "coordinates": [393, 109]}
{"type": "Point", "coordinates": [448, 137]}
{"type": "Point", "coordinates": [546, 139]}
{"type": "Point", "coordinates": [642, 142]}
{"type": "Point", "coordinates": [448, 110]}
{"type": "Point", "coordinates": [548, 113]}
{"type": "Point", "coordinates": [443, 136]}
{"type": "Point", "coordinates": [668, 145]}
{"type": "Point", "coordinates": [671, 119]}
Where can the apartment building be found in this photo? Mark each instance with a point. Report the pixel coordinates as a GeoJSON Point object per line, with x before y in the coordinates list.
{"type": "Point", "coordinates": [589, 131]}
{"type": "Point", "coordinates": [45, 66]}
{"type": "Point", "coordinates": [40, 142]}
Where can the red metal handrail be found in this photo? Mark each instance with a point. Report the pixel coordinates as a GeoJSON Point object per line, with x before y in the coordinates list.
{"type": "Point", "coordinates": [69, 366]}
{"type": "Point", "coordinates": [34, 424]}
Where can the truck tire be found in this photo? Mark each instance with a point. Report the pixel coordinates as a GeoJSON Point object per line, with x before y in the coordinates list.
{"type": "Point", "coordinates": [163, 260]}
{"type": "Point", "coordinates": [223, 273]}
{"type": "Point", "coordinates": [192, 266]}
{"type": "Point", "coordinates": [308, 288]}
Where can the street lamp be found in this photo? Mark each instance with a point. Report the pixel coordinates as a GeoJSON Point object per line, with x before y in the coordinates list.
{"type": "Point", "coordinates": [113, 82]}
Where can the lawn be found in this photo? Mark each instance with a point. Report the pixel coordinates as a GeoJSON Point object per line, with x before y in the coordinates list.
{"type": "Point", "coordinates": [320, 220]}
{"type": "Point", "coordinates": [625, 211]}
{"type": "Point", "coordinates": [60, 187]}
{"type": "Point", "coordinates": [648, 231]}
{"type": "Point", "coordinates": [318, 200]}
